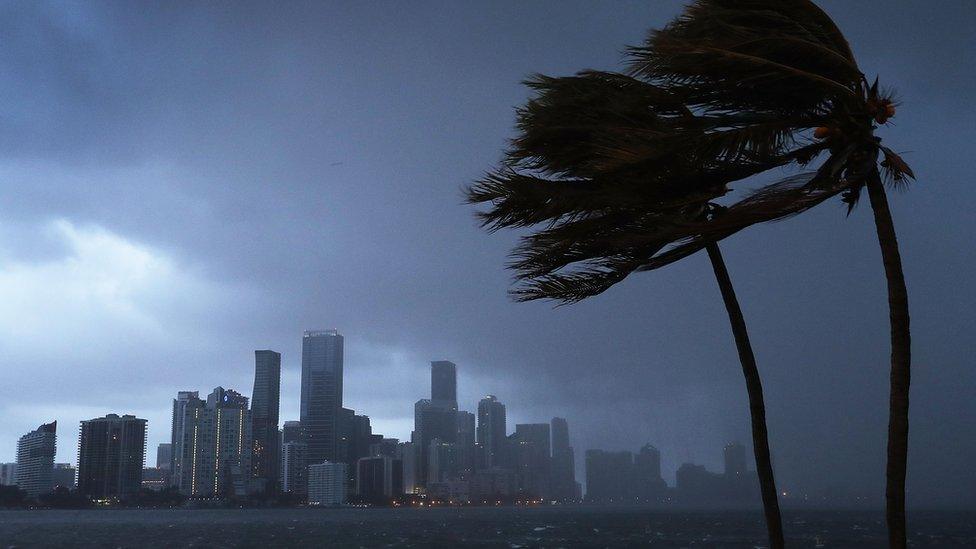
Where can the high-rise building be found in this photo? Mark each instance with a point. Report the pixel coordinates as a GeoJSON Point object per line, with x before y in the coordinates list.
{"type": "Point", "coordinates": [735, 459]}
{"type": "Point", "coordinates": [35, 459]}
{"type": "Point", "coordinates": [532, 458]}
{"type": "Point", "coordinates": [154, 478]}
{"type": "Point", "coordinates": [327, 483]}
{"type": "Point", "coordinates": [432, 421]}
{"type": "Point", "coordinates": [695, 484]}
{"type": "Point", "coordinates": [491, 430]}
{"type": "Point", "coordinates": [178, 429]}
{"type": "Point", "coordinates": [407, 454]}
{"type": "Point", "coordinates": [321, 393]}
{"type": "Point", "coordinates": [214, 445]}
{"type": "Point", "coordinates": [443, 461]}
{"type": "Point", "coordinates": [563, 462]}
{"type": "Point", "coordinates": [111, 455]}
{"type": "Point", "coordinates": [63, 476]}
{"type": "Point", "coordinates": [648, 484]}
{"type": "Point", "coordinates": [355, 438]}
{"type": "Point", "coordinates": [294, 468]}
{"type": "Point", "coordinates": [379, 479]}
{"type": "Point", "coordinates": [443, 384]}
{"type": "Point", "coordinates": [8, 474]}
{"type": "Point", "coordinates": [164, 456]}
{"type": "Point", "coordinates": [466, 441]}
{"type": "Point", "coordinates": [264, 419]}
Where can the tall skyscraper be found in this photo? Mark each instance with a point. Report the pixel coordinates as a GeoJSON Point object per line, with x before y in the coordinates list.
{"type": "Point", "coordinates": [264, 419]}
{"type": "Point", "coordinates": [321, 393]}
{"type": "Point", "coordinates": [291, 431]}
{"type": "Point", "coordinates": [466, 439]}
{"type": "Point", "coordinates": [179, 415]}
{"type": "Point", "coordinates": [532, 453]}
{"type": "Point", "coordinates": [214, 445]}
{"type": "Point", "coordinates": [111, 455]}
{"type": "Point", "coordinates": [35, 459]}
{"type": "Point", "coordinates": [563, 461]}
{"type": "Point", "coordinates": [491, 430]}
{"type": "Point", "coordinates": [443, 384]}
{"type": "Point", "coordinates": [649, 485]}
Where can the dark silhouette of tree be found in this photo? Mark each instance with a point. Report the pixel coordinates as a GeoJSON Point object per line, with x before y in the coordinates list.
{"type": "Point", "coordinates": [64, 498]}
{"type": "Point", "coordinates": [12, 497]}
{"type": "Point", "coordinates": [603, 161]}
{"type": "Point", "coordinates": [622, 171]}
{"type": "Point", "coordinates": [771, 71]}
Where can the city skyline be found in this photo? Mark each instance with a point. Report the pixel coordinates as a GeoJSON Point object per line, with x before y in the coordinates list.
{"type": "Point", "coordinates": [163, 219]}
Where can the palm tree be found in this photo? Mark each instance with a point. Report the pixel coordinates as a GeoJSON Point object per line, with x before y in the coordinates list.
{"type": "Point", "coordinates": [615, 169]}
{"type": "Point", "coordinates": [774, 70]}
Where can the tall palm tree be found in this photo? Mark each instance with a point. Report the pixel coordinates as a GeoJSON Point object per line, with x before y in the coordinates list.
{"type": "Point", "coordinates": [614, 169]}
{"type": "Point", "coordinates": [774, 70]}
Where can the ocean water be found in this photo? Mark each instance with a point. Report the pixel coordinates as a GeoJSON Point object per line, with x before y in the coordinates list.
{"type": "Point", "coordinates": [506, 527]}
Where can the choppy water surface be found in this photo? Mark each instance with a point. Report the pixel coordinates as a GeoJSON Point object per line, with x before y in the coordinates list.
{"type": "Point", "coordinates": [487, 527]}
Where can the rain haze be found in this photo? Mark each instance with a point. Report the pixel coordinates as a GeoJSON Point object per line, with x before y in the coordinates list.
{"type": "Point", "coordinates": [181, 184]}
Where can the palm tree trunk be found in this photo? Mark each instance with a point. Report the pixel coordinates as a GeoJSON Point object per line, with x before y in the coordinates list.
{"type": "Point", "coordinates": [901, 361]}
{"type": "Point", "coordinates": [757, 408]}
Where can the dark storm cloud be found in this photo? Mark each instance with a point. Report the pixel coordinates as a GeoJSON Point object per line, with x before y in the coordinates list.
{"type": "Point", "coordinates": [184, 183]}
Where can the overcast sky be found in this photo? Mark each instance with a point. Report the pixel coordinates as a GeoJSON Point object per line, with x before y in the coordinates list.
{"type": "Point", "coordinates": [181, 184]}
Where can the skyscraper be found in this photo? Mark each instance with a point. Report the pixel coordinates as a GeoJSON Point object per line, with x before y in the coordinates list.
{"type": "Point", "coordinates": [291, 431]}
{"type": "Point", "coordinates": [321, 393]}
{"type": "Point", "coordinates": [111, 454]}
{"type": "Point", "coordinates": [63, 475]}
{"type": "Point", "coordinates": [214, 445]}
{"type": "Point", "coordinates": [179, 415]}
{"type": "Point", "coordinates": [609, 476]}
{"type": "Point", "coordinates": [563, 461]}
{"type": "Point", "coordinates": [35, 459]}
{"type": "Point", "coordinates": [378, 479]}
{"type": "Point", "coordinates": [443, 384]}
{"type": "Point", "coordinates": [532, 454]}
{"type": "Point", "coordinates": [491, 430]}
{"type": "Point", "coordinates": [649, 485]}
{"type": "Point", "coordinates": [264, 418]}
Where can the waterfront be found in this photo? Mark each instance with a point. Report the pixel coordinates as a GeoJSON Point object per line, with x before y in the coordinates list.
{"type": "Point", "coordinates": [448, 527]}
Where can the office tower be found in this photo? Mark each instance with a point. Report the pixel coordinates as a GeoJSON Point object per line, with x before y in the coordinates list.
{"type": "Point", "coordinates": [432, 421]}
{"type": "Point", "coordinates": [327, 483]}
{"type": "Point", "coordinates": [491, 430]}
{"type": "Point", "coordinates": [466, 438]}
{"type": "Point", "coordinates": [563, 461]}
{"type": "Point", "coordinates": [379, 479]}
{"type": "Point", "coordinates": [35, 459]}
{"type": "Point", "coordinates": [8, 474]}
{"type": "Point", "coordinates": [649, 485]}
{"type": "Point", "coordinates": [291, 432]}
{"type": "Point", "coordinates": [264, 419]}
{"type": "Point", "coordinates": [111, 455]}
{"type": "Point", "coordinates": [384, 447]}
{"type": "Point", "coordinates": [63, 475]}
{"type": "Point", "coordinates": [164, 456]}
{"type": "Point", "coordinates": [214, 445]}
{"type": "Point", "coordinates": [321, 393]}
{"type": "Point", "coordinates": [443, 384]}
{"type": "Point", "coordinates": [294, 468]}
{"type": "Point", "coordinates": [735, 460]}
{"type": "Point", "coordinates": [532, 453]}
{"type": "Point", "coordinates": [609, 476]}
{"type": "Point", "coordinates": [355, 438]}
{"type": "Point", "coordinates": [406, 452]}
{"type": "Point", "coordinates": [179, 414]}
